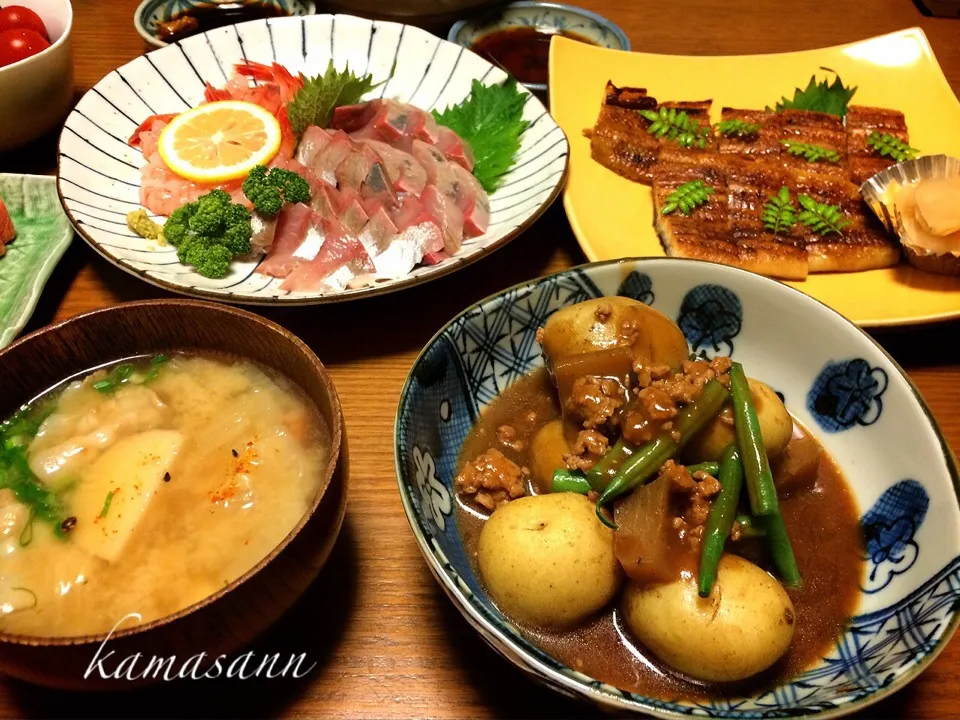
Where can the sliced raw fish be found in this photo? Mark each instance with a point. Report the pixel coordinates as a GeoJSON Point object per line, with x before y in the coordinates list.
{"type": "Point", "coordinates": [329, 158]}
{"type": "Point", "coordinates": [377, 233]}
{"type": "Point", "coordinates": [429, 157]}
{"type": "Point", "coordinates": [473, 202]}
{"type": "Point", "coordinates": [439, 171]}
{"type": "Point", "coordinates": [341, 253]}
{"type": "Point", "coordinates": [447, 216]}
{"type": "Point", "coordinates": [353, 171]}
{"type": "Point", "coordinates": [371, 205]}
{"type": "Point", "coordinates": [425, 233]}
{"type": "Point", "coordinates": [313, 141]}
{"type": "Point", "coordinates": [292, 225]}
{"type": "Point", "coordinates": [313, 240]}
{"type": "Point", "coordinates": [435, 258]}
{"type": "Point", "coordinates": [352, 118]}
{"type": "Point", "coordinates": [353, 217]}
{"type": "Point", "coordinates": [264, 229]}
{"type": "Point", "coordinates": [393, 122]}
{"type": "Point", "coordinates": [408, 212]}
{"type": "Point", "coordinates": [405, 173]}
{"type": "Point", "coordinates": [455, 148]}
{"type": "Point", "coordinates": [324, 199]}
{"type": "Point", "coordinates": [377, 186]}
{"type": "Point", "coordinates": [394, 255]}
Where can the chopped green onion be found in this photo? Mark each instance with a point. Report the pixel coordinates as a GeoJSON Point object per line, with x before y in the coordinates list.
{"type": "Point", "coordinates": [107, 501]}
{"type": "Point", "coordinates": [26, 535]}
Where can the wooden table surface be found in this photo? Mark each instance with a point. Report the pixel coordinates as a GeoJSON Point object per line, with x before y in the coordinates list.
{"type": "Point", "coordinates": [387, 641]}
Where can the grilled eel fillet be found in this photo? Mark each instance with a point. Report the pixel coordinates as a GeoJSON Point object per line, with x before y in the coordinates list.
{"type": "Point", "coordinates": [726, 229]}
{"type": "Point", "coordinates": [729, 228]}
{"type": "Point", "coordinates": [620, 140]}
{"type": "Point", "coordinates": [745, 172]}
{"type": "Point", "coordinates": [861, 122]}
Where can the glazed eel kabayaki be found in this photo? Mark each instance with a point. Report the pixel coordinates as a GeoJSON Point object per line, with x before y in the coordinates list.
{"type": "Point", "coordinates": [744, 173]}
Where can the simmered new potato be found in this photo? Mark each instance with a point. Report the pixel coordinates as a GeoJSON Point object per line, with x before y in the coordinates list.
{"type": "Point", "coordinates": [579, 329]}
{"type": "Point", "coordinates": [547, 450]}
{"type": "Point", "coordinates": [776, 427]}
{"type": "Point", "coordinates": [743, 628]}
{"type": "Point", "coordinates": [547, 560]}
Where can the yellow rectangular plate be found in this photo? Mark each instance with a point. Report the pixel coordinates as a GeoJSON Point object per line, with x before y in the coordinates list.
{"type": "Point", "coordinates": [613, 217]}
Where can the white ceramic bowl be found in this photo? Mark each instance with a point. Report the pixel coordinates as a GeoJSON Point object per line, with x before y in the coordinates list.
{"type": "Point", "coordinates": [834, 378]}
{"type": "Point", "coordinates": [100, 174]}
{"type": "Point", "coordinates": [35, 93]}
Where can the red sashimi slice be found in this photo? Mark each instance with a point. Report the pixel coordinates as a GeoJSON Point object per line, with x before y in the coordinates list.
{"type": "Point", "coordinates": [435, 258]}
{"type": "Point", "coordinates": [355, 167]}
{"type": "Point", "coordinates": [292, 225]}
{"type": "Point", "coordinates": [335, 152]}
{"type": "Point", "coordinates": [371, 206]}
{"type": "Point", "coordinates": [339, 249]}
{"type": "Point", "coordinates": [455, 149]}
{"type": "Point", "coordinates": [378, 231]}
{"type": "Point", "coordinates": [353, 217]}
{"type": "Point", "coordinates": [405, 173]}
{"type": "Point", "coordinates": [447, 216]}
{"type": "Point", "coordinates": [353, 118]}
{"type": "Point", "coordinates": [313, 141]}
{"type": "Point", "coordinates": [473, 202]}
{"type": "Point", "coordinates": [426, 233]}
{"type": "Point", "coordinates": [404, 216]}
{"type": "Point", "coordinates": [439, 171]}
{"type": "Point", "coordinates": [377, 187]}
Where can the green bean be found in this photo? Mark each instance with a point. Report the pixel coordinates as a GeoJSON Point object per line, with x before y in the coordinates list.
{"type": "Point", "coordinates": [600, 474]}
{"type": "Point", "coordinates": [710, 468]}
{"type": "Point", "coordinates": [720, 521]}
{"type": "Point", "coordinates": [646, 461]}
{"type": "Point", "coordinates": [750, 528]}
{"type": "Point", "coordinates": [762, 491]}
{"type": "Point", "coordinates": [569, 481]}
{"type": "Point", "coordinates": [781, 551]}
{"type": "Point", "coordinates": [756, 466]}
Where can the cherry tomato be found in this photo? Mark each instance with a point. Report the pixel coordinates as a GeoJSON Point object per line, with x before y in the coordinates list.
{"type": "Point", "coordinates": [17, 17]}
{"type": "Point", "coordinates": [16, 45]}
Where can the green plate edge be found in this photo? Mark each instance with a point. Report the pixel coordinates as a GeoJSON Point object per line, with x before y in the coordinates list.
{"type": "Point", "coordinates": [43, 235]}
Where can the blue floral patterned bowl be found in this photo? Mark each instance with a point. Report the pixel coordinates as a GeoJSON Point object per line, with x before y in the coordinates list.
{"type": "Point", "coordinates": [835, 379]}
{"type": "Point", "coordinates": [151, 12]}
{"type": "Point", "coordinates": [547, 15]}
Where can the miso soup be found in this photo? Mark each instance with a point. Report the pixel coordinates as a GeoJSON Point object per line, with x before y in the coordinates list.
{"type": "Point", "coordinates": [146, 486]}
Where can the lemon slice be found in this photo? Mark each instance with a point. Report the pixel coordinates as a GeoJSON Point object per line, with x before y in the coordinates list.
{"type": "Point", "coordinates": [219, 141]}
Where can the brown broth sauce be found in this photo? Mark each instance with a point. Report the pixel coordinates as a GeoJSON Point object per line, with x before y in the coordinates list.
{"type": "Point", "coordinates": [823, 523]}
{"type": "Point", "coordinates": [523, 51]}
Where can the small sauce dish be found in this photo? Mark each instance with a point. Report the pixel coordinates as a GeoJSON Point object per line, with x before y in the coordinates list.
{"type": "Point", "coordinates": [517, 36]}
{"type": "Point", "coordinates": [161, 22]}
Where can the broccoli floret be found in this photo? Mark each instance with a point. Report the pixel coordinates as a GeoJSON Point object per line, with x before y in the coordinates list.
{"type": "Point", "coordinates": [269, 189]}
{"type": "Point", "coordinates": [266, 199]}
{"type": "Point", "coordinates": [294, 188]}
{"type": "Point", "coordinates": [177, 226]}
{"type": "Point", "coordinates": [210, 260]}
{"type": "Point", "coordinates": [210, 215]}
{"type": "Point", "coordinates": [183, 247]}
{"type": "Point", "coordinates": [208, 233]}
{"type": "Point", "coordinates": [238, 232]}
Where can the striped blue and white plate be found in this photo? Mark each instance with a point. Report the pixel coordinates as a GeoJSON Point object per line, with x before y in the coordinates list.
{"type": "Point", "coordinates": [99, 176]}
